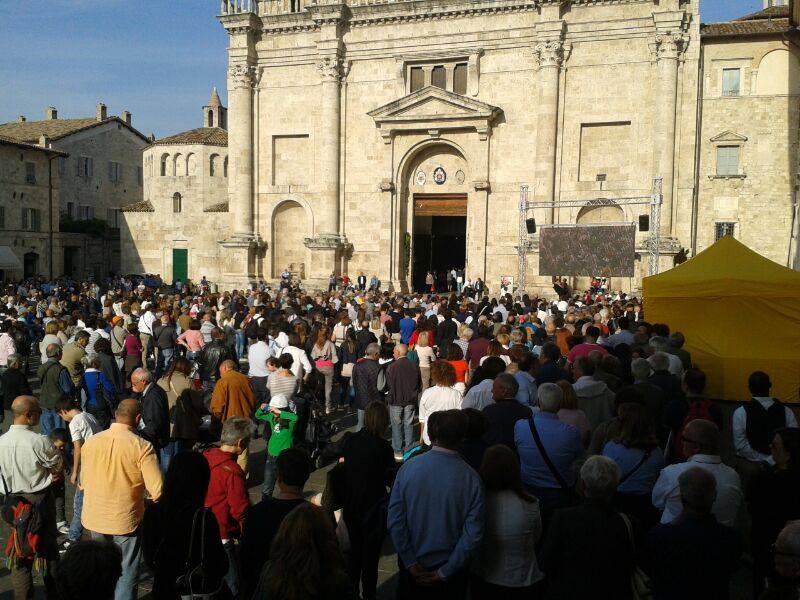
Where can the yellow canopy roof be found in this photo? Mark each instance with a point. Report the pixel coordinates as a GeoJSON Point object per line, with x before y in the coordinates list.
{"type": "Point", "coordinates": [724, 269]}
{"type": "Point", "coordinates": [739, 312]}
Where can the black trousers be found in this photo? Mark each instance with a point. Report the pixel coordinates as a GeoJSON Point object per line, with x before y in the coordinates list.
{"type": "Point", "coordinates": [362, 561]}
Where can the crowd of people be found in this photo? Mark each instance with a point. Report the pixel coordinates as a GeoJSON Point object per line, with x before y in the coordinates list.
{"type": "Point", "coordinates": [508, 448]}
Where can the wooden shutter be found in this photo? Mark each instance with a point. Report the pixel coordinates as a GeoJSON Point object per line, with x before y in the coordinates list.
{"type": "Point", "coordinates": [460, 79]}
{"type": "Point", "coordinates": [439, 77]}
{"type": "Point", "coordinates": [417, 79]}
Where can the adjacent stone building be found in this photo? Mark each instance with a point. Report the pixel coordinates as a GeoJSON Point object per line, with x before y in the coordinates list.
{"type": "Point", "coordinates": [748, 163]}
{"type": "Point", "coordinates": [100, 173]}
{"type": "Point", "coordinates": [29, 196]}
{"type": "Point", "coordinates": [175, 230]}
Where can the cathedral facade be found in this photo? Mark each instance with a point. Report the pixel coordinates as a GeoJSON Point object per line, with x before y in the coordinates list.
{"type": "Point", "coordinates": [396, 137]}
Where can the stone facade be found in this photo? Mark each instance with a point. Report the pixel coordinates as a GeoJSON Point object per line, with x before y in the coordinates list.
{"type": "Point", "coordinates": [354, 127]}
{"type": "Point", "coordinates": [368, 95]}
{"type": "Point", "coordinates": [185, 206]}
{"type": "Point", "coordinates": [29, 192]}
{"type": "Point", "coordinates": [101, 174]}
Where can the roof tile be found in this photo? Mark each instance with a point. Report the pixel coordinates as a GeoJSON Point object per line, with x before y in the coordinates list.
{"type": "Point", "coordinates": [209, 136]}
{"type": "Point", "coordinates": [140, 207]}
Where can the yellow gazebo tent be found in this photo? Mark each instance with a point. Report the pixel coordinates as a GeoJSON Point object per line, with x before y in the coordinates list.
{"type": "Point", "coordinates": [739, 311]}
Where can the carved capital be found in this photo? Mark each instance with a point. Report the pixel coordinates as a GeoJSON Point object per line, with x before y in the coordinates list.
{"type": "Point", "coordinates": [550, 54]}
{"type": "Point", "coordinates": [481, 186]}
{"type": "Point", "coordinates": [669, 46]}
{"type": "Point", "coordinates": [242, 76]}
{"type": "Point", "coordinates": [330, 68]}
{"type": "Point", "coordinates": [387, 185]}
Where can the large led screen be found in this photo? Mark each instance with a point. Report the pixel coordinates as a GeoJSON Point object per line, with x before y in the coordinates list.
{"type": "Point", "coordinates": [587, 250]}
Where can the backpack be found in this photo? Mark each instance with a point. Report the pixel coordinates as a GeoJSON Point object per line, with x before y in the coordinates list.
{"type": "Point", "coordinates": [698, 409]}
{"type": "Point", "coordinates": [194, 583]}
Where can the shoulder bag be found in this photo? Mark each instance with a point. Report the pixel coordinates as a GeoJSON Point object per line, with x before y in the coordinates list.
{"type": "Point", "coordinates": [640, 582]}
{"type": "Point", "coordinates": [636, 467]}
{"type": "Point", "coordinates": [546, 458]}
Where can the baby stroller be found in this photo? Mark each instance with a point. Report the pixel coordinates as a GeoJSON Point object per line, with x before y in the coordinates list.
{"type": "Point", "coordinates": [313, 431]}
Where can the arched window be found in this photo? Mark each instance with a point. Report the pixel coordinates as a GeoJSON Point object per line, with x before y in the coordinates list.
{"type": "Point", "coordinates": [213, 165]}
{"type": "Point", "coordinates": [210, 118]}
{"type": "Point", "coordinates": [176, 202]}
{"type": "Point", "coordinates": [164, 161]}
{"type": "Point", "coordinates": [178, 167]}
{"type": "Point", "coordinates": [191, 164]}
{"type": "Point", "coordinates": [225, 167]}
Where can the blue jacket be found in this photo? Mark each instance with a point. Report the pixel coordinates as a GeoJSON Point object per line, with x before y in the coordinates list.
{"type": "Point", "coordinates": [436, 512]}
{"type": "Point", "coordinates": [89, 387]}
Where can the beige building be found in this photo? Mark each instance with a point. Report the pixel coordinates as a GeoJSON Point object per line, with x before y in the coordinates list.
{"type": "Point", "coordinates": [748, 161]}
{"type": "Point", "coordinates": [101, 174]}
{"type": "Point", "coordinates": [29, 192]}
{"type": "Point", "coordinates": [175, 229]}
{"type": "Point", "coordinates": [394, 137]}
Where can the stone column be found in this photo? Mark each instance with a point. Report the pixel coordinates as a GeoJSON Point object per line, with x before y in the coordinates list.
{"type": "Point", "coordinates": [240, 148]}
{"type": "Point", "coordinates": [668, 47]}
{"type": "Point", "coordinates": [550, 55]}
{"type": "Point", "coordinates": [326, 211]}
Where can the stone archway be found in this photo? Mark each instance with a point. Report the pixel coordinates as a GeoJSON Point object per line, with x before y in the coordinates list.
{"type": "Point", "coordinates": [434, 197]}
{"type": "Point", "coordinates": [289, 228]}
{"type": "Point", "coordinates": [605, 213]}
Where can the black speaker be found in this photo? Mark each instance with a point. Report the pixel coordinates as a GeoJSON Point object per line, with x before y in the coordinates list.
{"type": "Point", "coordinates": [644, 222]}
{"type": "Point", "coordinates": [530, 225]}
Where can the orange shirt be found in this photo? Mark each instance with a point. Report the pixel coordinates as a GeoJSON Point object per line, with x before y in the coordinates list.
{"type": "Point", "coordinates": [117, 467]}
{"type": "Point", "coordinates": [461, 368]}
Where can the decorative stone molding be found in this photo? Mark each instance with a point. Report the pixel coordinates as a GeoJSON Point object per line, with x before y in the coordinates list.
{"type": "Point", "coordinates": [387, 185]}
{"type": "Point", "coordinates": [330, 68]}
{"type": "Point", "coordinates": [326, 241]}
{"type": "Point", "coordinates": [669, 45]}
{"type": "Point", "coordinates": [481, 186]}
{"type": "Point", "coordinates": [242, 76]}
{"type": "Point", "coordinates": [552, 53]}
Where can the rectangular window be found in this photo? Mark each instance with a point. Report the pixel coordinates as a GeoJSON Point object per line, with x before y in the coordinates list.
{"type": "Point", "coordinates": [2, 217]}
{"type": "Point", "coordinates": [30, 173]}
{"type": "Point", "coordinates": [85, 167]}
{"type": "Point", "coordinates": [460, 79]}
{"type": "Point", "coordinates": [31, 220]}
{"type": "Point", "coordinates": [62, 165]}
{"type": "Point", "coordinates": [112, 217]}
{"type": "Point", "coordinates": [114, 172]}
{"type": "Point", "coordinates": [417, 79]}
{"type": "Point", "coordinates": [71, 210]}
{"type": "Point", "coordinates": [731, 79]}
{"type": "Point", "coordinates": [727, 161]}
{"type": "Point", "coordinates": [439, 77]}
{"type": "Point", "coordinates": [85, 212]}
{"type": "Point", "coordinates": [723, 229]}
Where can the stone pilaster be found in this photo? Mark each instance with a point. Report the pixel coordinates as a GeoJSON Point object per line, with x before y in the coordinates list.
{"type": "Point", "coordinates": [241, 79]}
{"type": "Point", "coordinates": [550, 55]}
{"type": "Point", "coordinates": [668, 48]}
{"type": "Point", "coordinates": [326, 211]}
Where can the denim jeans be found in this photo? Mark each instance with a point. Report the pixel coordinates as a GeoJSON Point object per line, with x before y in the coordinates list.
{"type": "Point", "coordinates": [163, 361]}
{"type": "Point", "coordinates": [131, 548]}
{"type": "Point", "coordinates": [241, 344]}
{"type": "Point", "coordinates": [232, 577]}
{"type": "Point", "coordinates": [75, 527]}
{"type": "Point", "coordinates": [360, 424]}
{"type": "Point", "coordinates": [403, 420]}
{"type": "Point", "coordinates": [50, 420]}
{"type": "Point", "coordinates": [270, 476]}
{"type": "Point", "coordinates": [167, 453]}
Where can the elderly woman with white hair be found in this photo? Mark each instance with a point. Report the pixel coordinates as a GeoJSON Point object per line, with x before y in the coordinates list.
{"type": "Point", "coordinates": [548, 450]}
{"type": "Point", "coordinates": [588, 551]}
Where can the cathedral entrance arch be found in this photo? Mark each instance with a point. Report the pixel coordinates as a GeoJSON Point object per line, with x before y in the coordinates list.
{"type": "Point", "coordinates": [289, 229]}
{"type": "Point", "coordinates": [435, 183]}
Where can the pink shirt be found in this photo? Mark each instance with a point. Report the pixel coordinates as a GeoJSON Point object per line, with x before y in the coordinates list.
{"type": "Point", "coordinates": [192, 339]}
{"type": "Point", "coordinates": [584, 350]}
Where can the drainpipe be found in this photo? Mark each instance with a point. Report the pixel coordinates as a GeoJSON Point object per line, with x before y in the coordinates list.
{"type": "Point", "coordinates": [697, 148]}
{"type": "Point", "coordinates": [50, 213]}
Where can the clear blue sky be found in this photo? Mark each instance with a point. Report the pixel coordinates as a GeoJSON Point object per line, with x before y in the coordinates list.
{"type": "Point", "coordinates": [155, 58]}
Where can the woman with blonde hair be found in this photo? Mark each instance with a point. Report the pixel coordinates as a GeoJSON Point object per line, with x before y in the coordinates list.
{"type": "Point", "coordinates": [426, 357]}
{"type": "Point", "coordinates": [570, 414]}
{"type": "Point", "coordinates": [50, 337]}
{"type": "Point", "coordinates": [325, 357]}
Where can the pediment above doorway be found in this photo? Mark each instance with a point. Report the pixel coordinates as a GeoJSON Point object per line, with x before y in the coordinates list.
{"type": "Point", "coordinates": [433, 109]}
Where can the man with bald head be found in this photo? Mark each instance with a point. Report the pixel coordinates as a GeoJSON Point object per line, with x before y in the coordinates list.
{"type": "Point", "coordinates": [701, 446]}
{"type": "Point", "coordinates": [27, 463]}
{"type": "Point", "coordinates": [119, 466]}
{"type": "Point", "coordinates": [233, 397]}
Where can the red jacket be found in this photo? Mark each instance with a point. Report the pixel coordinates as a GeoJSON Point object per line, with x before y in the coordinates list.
{"type": "Point", "coordinates": [227, 492]}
